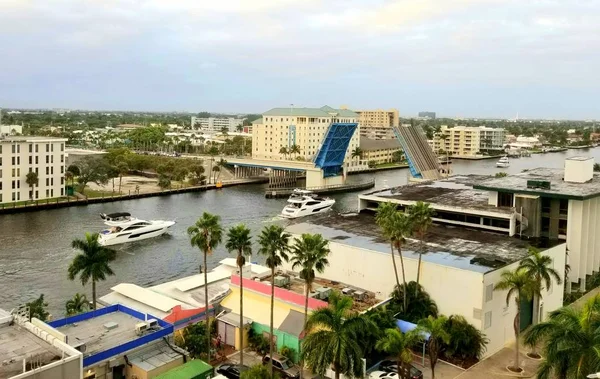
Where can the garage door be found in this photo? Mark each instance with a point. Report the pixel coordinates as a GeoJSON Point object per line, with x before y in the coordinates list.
{"type": "Point", "coordinates": [227, 333]}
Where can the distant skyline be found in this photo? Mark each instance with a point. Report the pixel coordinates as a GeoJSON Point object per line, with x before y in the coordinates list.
{"type": "Point", "coordinates": [459, 58]}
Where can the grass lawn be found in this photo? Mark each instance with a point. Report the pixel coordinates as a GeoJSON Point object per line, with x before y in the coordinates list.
{"type": "Point", "coordinates": [92, 193]}
{"type": "Point", "coordinates": [15, 204]}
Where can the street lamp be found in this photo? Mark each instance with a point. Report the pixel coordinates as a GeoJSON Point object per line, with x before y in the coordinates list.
{"type": "Point", "coordinates": [596, 375]}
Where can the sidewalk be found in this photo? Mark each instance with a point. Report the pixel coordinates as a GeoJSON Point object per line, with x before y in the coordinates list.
{"type": "Point", "coordinates": [494, 367]}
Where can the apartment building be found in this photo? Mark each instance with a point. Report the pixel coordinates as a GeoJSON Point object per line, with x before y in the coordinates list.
{"type": "Point", "coordinates": [468, 140]}
{"type": "Point", "coordinates": [216, 124]}
{"type": "Point", "coordinates": [302, 127]}
{"type": "Point", "coordinates": [21, 155]}
{"type": "Point", "coordinates": [379, 151]}
{"type": "Point", "coordinates": [378, 124]}
{"type": "Point", "coordinates": [427, 115]}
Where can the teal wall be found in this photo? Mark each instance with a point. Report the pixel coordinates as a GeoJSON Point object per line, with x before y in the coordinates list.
{"type": "Point", "coordinates": [283, 339]}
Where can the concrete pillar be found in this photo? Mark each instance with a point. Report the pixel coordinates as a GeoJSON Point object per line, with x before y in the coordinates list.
{"type": "Point", "coordinates": [582, 284]}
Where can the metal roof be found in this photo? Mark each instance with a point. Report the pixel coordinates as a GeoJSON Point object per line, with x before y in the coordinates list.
{"type": "Point", "coordinates": [146, 296]}
{"type": "Point", "coordinates": [293, 324]}
{"type": "Point", "coordinates": [198, 280]}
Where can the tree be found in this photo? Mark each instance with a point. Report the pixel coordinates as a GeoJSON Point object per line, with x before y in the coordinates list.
{"type": "Point", "coordinates": [93, 263]}
{"type": "Point", "coordinates": [394, 225]}
{"type": "Point", "coordinates": [357, 152]}
{"type": "Point", "coordinates": [225, 131]}
{"type": "Point", "coordinates": [37, 308]}
{"type": "Point", "coordinates": [436, 328]}
{"type": "Point", "coordinates": [206, 235]}
{"type": "Point", "coordinates": [597, 167]}
{"type": "Point", "coordinates": [539, 267]}
{"type": "Point", "coordinates": [213, 151]}
{"type": "Point", "coordinates": [419, 306]}
{"type": "Point", "coordinates": [398, 344]}
{"type": "Point", "coordinates": [284, 151]}
{"type": "Point", "coordinates": [274, 245]}
{"type": "Point", "coordinates": [239, 128]}
{"type": "Point", "coordinates": [197, 172]}
{"type": "Point", "coordinates": [258, 371]}
{"type": "Point", "coordinates": [519, 285]}
{"type": "Point", "coordinates": [467, 343]}
{"type": "Point", "coordinates": [91, 169]}
{"type": "Point", "coordinates": [571, 337]}
{"type": "Point", "coordinates": [239, 240]}
{"type": "Point", "coordinates": [216, 169]}
{"type": "Point", "coordinates": [420, 217]}
{"type": "Point", "coordinates": [193, 339]}
{"type": "Point", "coordinates": [69, 176]}
{"type": "Point", "coordinates": [122, 169]}
{"type": "Point", "coordinates": [78, 304]}
{"type": "Point", "coordinates": [221, 165]}
{"type": "Point", "coordinates": [331, 338]}
{"type": "Point", "coordinates": [73, 169]}
{"type": "Point", "coordinates": [309, 253]}
{"type": "Point", "coordinates": [32, 180]}
{"type": "Point", "coordinates": [294, 149]}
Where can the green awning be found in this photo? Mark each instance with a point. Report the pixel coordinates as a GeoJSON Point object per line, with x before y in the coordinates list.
{"type": "Point", "coordinates": [195, 369]}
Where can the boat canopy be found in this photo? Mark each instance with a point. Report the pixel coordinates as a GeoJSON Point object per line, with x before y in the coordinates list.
{"type": "Point", "coordinates": [115, 215]}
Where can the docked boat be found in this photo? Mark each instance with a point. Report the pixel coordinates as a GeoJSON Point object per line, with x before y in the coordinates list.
{"type": "Point", "coordinates": [503, 162]}
{"type": "Point", "coordinates": [305, 203]}
{"type": "Point", "coordinates": [115, 219]}
{"type": "Point", "coordinates": [133, 230]}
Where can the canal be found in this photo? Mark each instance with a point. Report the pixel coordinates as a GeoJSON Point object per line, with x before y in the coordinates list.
{"type": "Point", "coordinates": [35, 248]}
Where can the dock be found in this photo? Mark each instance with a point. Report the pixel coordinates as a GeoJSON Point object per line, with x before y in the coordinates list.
{"type": "Point", "coordinates": [276, 193]}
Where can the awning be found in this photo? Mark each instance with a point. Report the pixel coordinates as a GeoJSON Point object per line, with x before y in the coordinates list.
{"type": "Point", "coordinates": [233, 319]}
{"type": "Point", "coordinates": [406, 326]}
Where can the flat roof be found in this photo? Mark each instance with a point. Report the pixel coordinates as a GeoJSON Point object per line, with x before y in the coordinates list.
{"type": "Point", "coordinates": [31, 139]}
{"type": "Point", "coordinates": [155, 355]}
{"type": "Point", "coordinates": [455, 191]}
{"type": "Point", "coordinates": [17, 344]}
{"type": "Point", "coordinates": [558, 187]}
{"type": "Point", "coordinates": [458, 247]}
{"type": "Point", "coordinates": [96, 336]}
{"type": "Point", "coordinates": [145, 296]}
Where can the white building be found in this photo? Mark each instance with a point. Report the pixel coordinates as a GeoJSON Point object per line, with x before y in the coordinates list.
{"type": "Point", "coordinates": [468, 140]}
{"type": "Point", "coordinates": [459, 269]}
{"type": "Point", "coordinates": [216, 124]}
{"type": "Point", "coordinates": [11, 129]}
{"type": "Point", "coordinates": [21, 155]}
{"type": "Point", "coordinates": [303, 127]}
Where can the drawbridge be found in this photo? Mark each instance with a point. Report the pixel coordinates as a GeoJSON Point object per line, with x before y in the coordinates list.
{"type": "Point", "coordinates": [423, 163]}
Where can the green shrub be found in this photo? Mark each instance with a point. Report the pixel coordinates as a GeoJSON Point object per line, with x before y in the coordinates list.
{"type": "Point", "coordinates": [288, 352]}
{"type": "Point", "coordinates": [258, 372]}
{"type": "Point", "coordinates": [418, 307]}
{"type": "Point", "coordinates": [258, 343]}
{"type": "Point", "coordinates": [467, 343]}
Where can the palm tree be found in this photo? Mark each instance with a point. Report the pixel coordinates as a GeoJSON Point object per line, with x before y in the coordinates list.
{"type": "Point", "coordinates": [122, 169]}
{"type": "Point", "coordinates": [521, 286]}
{"type": "Point", "coordinates": [92, 263]}
{"type": "Point", "coordinates": [78, 304]}
{"type": "Point", "coordinates": [213, 151]}
{"type": "Point", "coordinates": [398, 344]}
{"type": "Point", "coordinates": [309, 253]}
{"type": "Point", "coordinates": [436, 328]}
{"type": "Point", "coordinates": [274, 244]}
{"type": "Point", "coordinates": [420, 216]}
{"type": "Point", "coordinates": [295, 149]}
{"type": "Point", "coordinates": [221, 165]}
{"type": "Point", "coordinates": [331, 338]}
{"type": "Point", "coordinates": [357, 152]}
{"type": "Point", "coordinates": [206, 235]}
{"type": "Point", "coordinates": [32, 180]}
{"type": "Point", "coordinates": [216, 169]}
{"type": "Point", "coordinates": [239, 128]}
{"type": "Point", "coordinates": [239, 240]}
{"type": "Point", "coordinates": [571, 337]}
{"type": "Point", "coordinates": [394, 225]}
{"type": "Point", "coordinates": [284, 151]}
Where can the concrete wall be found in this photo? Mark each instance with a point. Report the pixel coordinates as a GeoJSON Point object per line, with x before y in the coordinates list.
{"type": "Point", "coordinates": [67, 369]}
{"type": "Point", "coordinates": [583, 239]}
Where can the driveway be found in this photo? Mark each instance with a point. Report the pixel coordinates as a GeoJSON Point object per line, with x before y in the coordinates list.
{"type": "Point", "coordinates": [443, 370]}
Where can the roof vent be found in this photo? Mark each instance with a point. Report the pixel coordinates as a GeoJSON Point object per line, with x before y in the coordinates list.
{"type": "Point", "coordinates": [538, 184]}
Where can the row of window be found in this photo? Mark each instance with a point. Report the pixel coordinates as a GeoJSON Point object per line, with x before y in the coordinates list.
{"type": "Point", "coordinates": [16, 196]}
{"type": "Point", "coordinates": [49, 160]}
{"type": "Point", "coordinates": [16, 148]}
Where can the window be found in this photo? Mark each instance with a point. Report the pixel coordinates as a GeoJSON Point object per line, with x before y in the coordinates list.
{"type": "Point", "coordinates": [30, 159]}
{"type": "Point", "coordinates": [14, 184]}
{"type": "Point", "coordinates": [47, 147]}
{"type": "Point", "coordinates": [18, 184]}
{"type": "Point", "coordinates": [14, 197]}
{"type": "Point", "coordinates": [52, 147]}
{"type": "Point", "coordinates": [52, 193]}
{"type": "Point", "coordinates": [14, 149]}
{"type": "Point", "coordinates": [36, 160]}
{"type": "Point", "coordinates": [36, 194]}
{"type": "Point", "coordinates": [52, 159]}
{"type": "Point", "coordinates": [18, 196]}
{"type": "Point", "coordinates": [489, 292]}
{"type": "Point", "coordinates": [505, 199]}
{"type": "Point", "coordinates": [51, 170]}
{"type": "Point", "coordinates": [62, 158]}
{"type": "Point", "coordinates": [14, 161]}
{"type": "Point", "coordinates": [31, 148]}
{"type": "Point", "coordinates": [62, 169]}
{"type": "Point", "coordinates": [18, 160]}
{"type": "Point", "coordinates": [13, 172]}
{"type": "Point", "coordinates": [36, 147]}
{"type": "Point", "coordinates": [47, 182]}
{"type": "Point", "coordinates": [62, 147]}
{"type": "Point", "coordinates": [62, 192]}
{"type": "Point", "coordinates": [562, 227]}
{"type": "Point", "coordinates": [546, 204]}
{"type": "Point", "coordinates": [62, 180]}
{"type": "Point", "coordinates": [47, 159]}
{"type": "Point", "coordinates": [18, 151]}
{"type": "Point", "coordinates": [51, 181]}
{"type": "Point", "coordinates": [488, 320]}
{"type": "Point", "coordinates": [545, 225]}
{"type": "Point", "coordinates": [564, 207]}
{"type": "Point", "coordinates": [47, 193]}
{"type": "Point", "coordinates": [47, 170]}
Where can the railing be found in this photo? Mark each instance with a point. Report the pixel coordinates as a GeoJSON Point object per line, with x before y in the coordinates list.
{"type": "Point", "coordinates": [333, 186]}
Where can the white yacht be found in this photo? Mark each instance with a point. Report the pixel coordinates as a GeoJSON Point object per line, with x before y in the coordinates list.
{"type": "Point", "coordinates": [503, 162]}
{"type": "Point", "coordinates": [305, 203]}
{"type": "Point", "coordinates": [133, 230]}
{"type": "Point", "coordinates": [116, 219]}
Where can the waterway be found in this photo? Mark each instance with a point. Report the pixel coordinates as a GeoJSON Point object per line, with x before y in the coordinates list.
{"type": "Point", "coordinates": [35, 247]}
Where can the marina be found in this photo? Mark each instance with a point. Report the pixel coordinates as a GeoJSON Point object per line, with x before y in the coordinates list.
{"type": "Point", "coordinates": [36, 247]}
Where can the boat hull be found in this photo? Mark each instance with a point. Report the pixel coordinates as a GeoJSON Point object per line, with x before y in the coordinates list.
{"type": "Point", "coordinates": [290, 212]}
{"type": "Point", "coordinates": [502, 165]}
{"type": "Point", "coordinates": [135, 235]}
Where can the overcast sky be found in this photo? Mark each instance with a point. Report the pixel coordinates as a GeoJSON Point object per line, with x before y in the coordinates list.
{"type": "Point", "coordinates": [471, 58]}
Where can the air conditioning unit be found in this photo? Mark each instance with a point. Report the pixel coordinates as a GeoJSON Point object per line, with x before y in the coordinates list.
{"type": "Point", "coordinates": [314, 295]}
{"type": "Point", "coordinates": [152, 323]}
{"type": "Point", "coordinates": [281, 281]}
{"type": "Point", "coordinates": [347, 291]}
{"type": "Point", "coordinates": [360, 295]}
{"type": "Point", "coordinates": [324, 292]}
{"type": "Point", "coordinates": [80, 346]}
{"type": "Point", "coordinates": [141, 328]}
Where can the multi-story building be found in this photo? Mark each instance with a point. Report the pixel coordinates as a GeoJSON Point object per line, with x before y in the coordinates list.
{"type": "Point", "coordinates": [378, 124]}
{"type": "Point", "coordinates": [216, 124]}
{"type": "Point", "coordinates": [11, 129]}
{"type": "Point", "coordinates": [379, 151]}
{"type": "Point", "coordinates": [21, 155]}
{"type": "Point", "coordinates": [428, 115]}
{"type": "Point", "coordinates": [468, 140]}
{"type": "Point", "coordinates": [302, 127]}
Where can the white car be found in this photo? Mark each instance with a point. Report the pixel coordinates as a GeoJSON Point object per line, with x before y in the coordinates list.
{"type": "Point", "coordinates": [383, 375]}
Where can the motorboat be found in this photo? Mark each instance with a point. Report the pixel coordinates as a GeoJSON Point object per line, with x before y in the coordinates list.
{"type": "Point", "coordinates": [116, 219]}
{"type": "Point", "coordinates": [133, 230]}
{"type": "Point", "coordinates": [503, 162]}
{"type": "Point", "coordinates": [305, 203]}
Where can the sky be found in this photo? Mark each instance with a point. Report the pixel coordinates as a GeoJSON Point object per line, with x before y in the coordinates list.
{"type": "Point", "coordinates": [459, 58]}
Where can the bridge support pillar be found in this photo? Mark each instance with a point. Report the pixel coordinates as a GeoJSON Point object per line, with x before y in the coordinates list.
{"type": "Point", "coordinates": [282, 178]}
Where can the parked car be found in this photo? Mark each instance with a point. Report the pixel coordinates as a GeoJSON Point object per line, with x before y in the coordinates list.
{"type": "Point", "coordinates": [231, 371]}
{"type": "Point", "coordinates": [392, 367]}
{"type": "Point", "coordinates": [283, 366]}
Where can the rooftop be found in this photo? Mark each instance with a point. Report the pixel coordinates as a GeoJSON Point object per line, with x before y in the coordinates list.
{"type": "Point", "coordinates": [16, 344]}
{"type": "Point", "coordinates": [558, 187]}
{"type": "Point", "coordinates": [368, 144]}
{"type": "Point", "coordinates": [458, 247]}
{"type": "Point", "coordinates": [155, 355]}
{"type": "Point", "coordinates": [309, 112]}
{"type": "Point", "coordinates": [455, 191]}
{"type": "Point", "coordinates": [9, 139]}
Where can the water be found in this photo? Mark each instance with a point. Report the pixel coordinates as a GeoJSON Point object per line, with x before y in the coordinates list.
{"type": "Point", "coordinates": [35, 247]}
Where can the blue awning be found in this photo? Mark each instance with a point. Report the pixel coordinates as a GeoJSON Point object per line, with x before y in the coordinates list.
{"type": "Point", "coordinates": [406, 326]}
